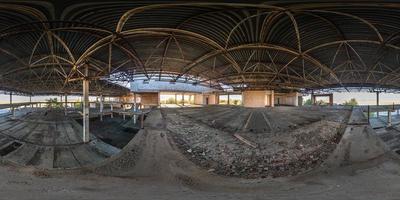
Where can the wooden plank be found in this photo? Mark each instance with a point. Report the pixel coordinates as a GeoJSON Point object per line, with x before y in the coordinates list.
{"type": "Point", "coordinates": [247, 121]}
{"type": "Point", "coordinates": [245, 140]}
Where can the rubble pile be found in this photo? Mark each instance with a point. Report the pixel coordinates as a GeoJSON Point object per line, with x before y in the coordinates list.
{"type": "Point", "coordinates": [282, 153]}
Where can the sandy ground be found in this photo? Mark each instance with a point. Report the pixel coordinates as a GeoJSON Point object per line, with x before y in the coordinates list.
{"type": "Point", "coordinates": [151, 167]}
{"type": "Point", "coordinates": [364, 181]}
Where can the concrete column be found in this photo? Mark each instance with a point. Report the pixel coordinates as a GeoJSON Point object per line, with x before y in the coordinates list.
{"type": "Point", "coordinates": [228, 99]}
{"type": "Point", "coordinates": [377, 98]}
{"type": "Point", "coordinates": [111, 108]}
{"type": "Point", "coordinates": [101, 107]}
{"type": "Point", "coordinates": [312, 98]}
{"type": "Point", "coordinates": [176, 98]}
{"type": "Point", "coordinates": [377, 103]}
{"type": "Point", "coordinates": [389, 118]}
{"type": "Point", "coordinates": [331, 99]}
{"type": "Point", "coordinates": [11, 105]}
{"type": "Point", "coordinates": [134, 102]}
{"type": "Point", "coordinates": [183, 99]}
{"type": "Point", "coordinates": [65, 104]}
{"type": "Point", "coordinates": [85, 117]}
{"type": "Point", "coordinates": [299, 100]}
{"type": "Point", "coordinates": [272, 96]}
{"type": "Point", "coordinates": [30, 101]}
{"type": "Point", "coordinates": [134, 107]}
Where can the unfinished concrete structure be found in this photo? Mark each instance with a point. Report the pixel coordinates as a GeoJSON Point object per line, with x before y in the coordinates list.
{"type": "Point", "coordinates": [270, 53]}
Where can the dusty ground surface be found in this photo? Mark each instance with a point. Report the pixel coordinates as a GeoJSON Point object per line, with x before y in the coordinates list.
{"type": "Point", "coordinates": [286, 140]}
{"type": "Point", "coordinates": [380, 182]}
{"type": "Point", "coordinates": [151, 167]}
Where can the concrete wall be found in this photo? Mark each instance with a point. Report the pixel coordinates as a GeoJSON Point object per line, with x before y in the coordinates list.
{"type": "Point", "coordinates": [199, 99]}
{"type": "Point", "coordinates": [149, 98]}
{"type": "Point", "coordinates": [291, 99]}
{"type": "Point", "coordinates": [212, 99]}
{"type": "Point", "coordinates": [260, 98]}
{"type": "Point", "coordinates": [254, 98]}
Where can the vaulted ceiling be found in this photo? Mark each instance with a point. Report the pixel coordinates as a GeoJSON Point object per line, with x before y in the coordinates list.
{"type": "Point", "coordinates": [46, 46]}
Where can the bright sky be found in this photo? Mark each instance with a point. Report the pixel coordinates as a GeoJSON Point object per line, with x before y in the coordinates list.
{"type": "Point", "coordinates": [363, 98]}
{"type": "Point", "coordinates": [5, 99]}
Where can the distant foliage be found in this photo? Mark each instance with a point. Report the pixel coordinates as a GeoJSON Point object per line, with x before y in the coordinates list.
{"type": "Point", "coordinates": [307, 102]}
{"type": "Point", "coordinates": [319, 102]}
{"type": "Point", "coordinates": [53, 103]}
{"type": "Point", "coordinates": [351, 102]}
{"type": "Point", "coordinates": [237, 102]}
{"type": "Point", "coordinates": [78, 105]}
{"type": "Point", "coordinates": [170, 100]}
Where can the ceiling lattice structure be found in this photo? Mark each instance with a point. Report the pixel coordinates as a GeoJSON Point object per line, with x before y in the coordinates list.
{"type": "Point", "coordinates": [46, 47]}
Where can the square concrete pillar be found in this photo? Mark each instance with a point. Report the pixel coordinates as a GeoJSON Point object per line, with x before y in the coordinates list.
{"type": "Point", "coordinates": [272, 96]}
{"type": "Point", "coordinates": [257, 98]}
{"type": "Point", "coordinates": [66, 105]}
{"type": "Point", "coordinates": [85, 117]}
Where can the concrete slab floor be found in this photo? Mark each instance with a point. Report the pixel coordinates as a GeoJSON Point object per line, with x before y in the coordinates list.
{"type": "Point", "coordinates": [47, 139]}
{"type": "Point", "coordinates": [153, 168]}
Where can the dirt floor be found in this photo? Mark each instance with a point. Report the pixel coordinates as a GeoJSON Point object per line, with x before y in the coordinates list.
{"type": "Point", "coordinates": [284, 141]}
{"type": "Point", "coordinates": [152, 167]}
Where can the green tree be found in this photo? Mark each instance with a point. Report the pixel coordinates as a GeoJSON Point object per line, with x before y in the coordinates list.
{"type": "Point", "coordinates": [351, 102]}
{"type": "Point", "coordinates": [307, 102]}
{"type": "Point", "coordinates": [53, 103]}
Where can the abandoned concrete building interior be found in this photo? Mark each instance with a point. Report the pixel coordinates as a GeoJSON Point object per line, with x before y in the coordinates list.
{"type": "Point", "coordinates": [198, 100]}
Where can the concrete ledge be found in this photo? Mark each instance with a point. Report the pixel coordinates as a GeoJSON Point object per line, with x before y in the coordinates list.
{"type": "Point", "coordinates": [358, 144]}
{"type": "Point", "coordinates": [357, 117]}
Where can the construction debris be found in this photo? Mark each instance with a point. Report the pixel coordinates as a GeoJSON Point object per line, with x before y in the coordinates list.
{"type": "Point", "coordinates": [244, 140]}
{"type": "Point", "coordinates": [282, 150]}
